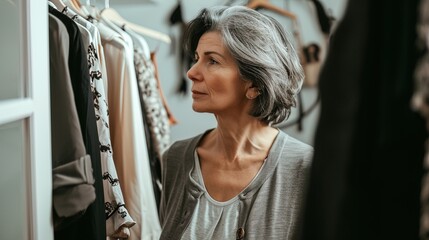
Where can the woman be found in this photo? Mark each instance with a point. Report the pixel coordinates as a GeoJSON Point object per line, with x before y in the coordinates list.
{"type": "Point", "coordinates": [243, 179]}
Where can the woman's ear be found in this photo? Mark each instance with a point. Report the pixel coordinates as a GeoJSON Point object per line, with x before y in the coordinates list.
{"type": "Point", "coordinates": [252, 93]}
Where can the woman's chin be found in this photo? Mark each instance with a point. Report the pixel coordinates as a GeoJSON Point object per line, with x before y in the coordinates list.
{"type": "Point", "coordinates": [199, 109]}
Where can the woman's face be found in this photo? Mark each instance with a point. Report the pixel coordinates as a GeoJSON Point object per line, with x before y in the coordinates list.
{"type": "Point", "coordinates": [216, 84]}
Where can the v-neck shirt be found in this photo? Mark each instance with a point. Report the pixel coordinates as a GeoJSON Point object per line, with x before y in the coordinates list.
{"type": "Point", "coordinates": [269, 208]}
{"type": "Point", "coordinates": [213, 219]}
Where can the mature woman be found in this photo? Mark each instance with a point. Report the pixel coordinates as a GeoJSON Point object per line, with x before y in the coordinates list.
{"type": "Point", "coordinates": [243, 179]}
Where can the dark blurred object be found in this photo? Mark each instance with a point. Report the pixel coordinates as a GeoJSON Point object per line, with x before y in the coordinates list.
{"type": "Point", "coordinates": [185, 61]}
{"type": "Point", "coordinates": [325, 21]}
{"type": "Point", "coordinates": [369, 144]}
{"type": "Point", "coordinates": [176, 15]}
{"type": "Point", "coordinates": [420, 103]}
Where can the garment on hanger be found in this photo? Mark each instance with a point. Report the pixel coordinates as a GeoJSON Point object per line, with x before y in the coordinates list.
{"type": "Point", "coordinates": [72, 178]}
{"type": "Point", "coordinates": [171, 118]}
{"type": "Point", "coordinates": [127, 134]}
{"type": "Point", "coordinates": [325, 21]}
{"type": "Point", "coordinates": [154, 113]}
{"type": "Point", "coordinates": [112, 15]}
{"type": "Point", "coordinates": [117, 215]}
{"type": "Point", "coordinates": [148, 84]}
{"type": "Point", "coordinates": [92, 225]}
{"type": "Point", "coordinates": [185, 61]}
{"type": "Point", "coordinates": [109, 64]}
{"type": "Point", "coordinates": [367, 167]}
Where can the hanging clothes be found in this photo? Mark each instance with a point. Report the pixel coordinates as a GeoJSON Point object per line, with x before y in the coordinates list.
{"type": "Point", "coordinates": [105, 95]}
{"type": "Point", "coordinates": [72, 178]}
{"type": "Point", "coordinates": [367, 165]}
{"type": "Point", "coordinates": [171, 118]}
{"type": "Point", "coordinates": [127, 133]}
{"type": "Point", "coordinates": [92, 224]}
{"type": "Point", "coordinates": [325, 21]}
{"type": "Point", "coordinates": [185, 61]}
{"type": "Point", "coordinates": [116, 214]}
{"type": "Point", "coordinates": [154, 113]}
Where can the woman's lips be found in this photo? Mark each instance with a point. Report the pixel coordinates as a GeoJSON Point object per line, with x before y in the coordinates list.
{"type": "Point", "coordinates": [197, 93]}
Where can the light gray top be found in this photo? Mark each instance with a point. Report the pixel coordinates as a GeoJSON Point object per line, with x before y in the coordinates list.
{"type": "Point", "coordinates": [212, 219]}
{"type": "Point", "coordinates": [269, 208]}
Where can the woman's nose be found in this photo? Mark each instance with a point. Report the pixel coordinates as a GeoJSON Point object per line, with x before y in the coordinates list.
{"type": "Point", "coordinates": [193, 73]}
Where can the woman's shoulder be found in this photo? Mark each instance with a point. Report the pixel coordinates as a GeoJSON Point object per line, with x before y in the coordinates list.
{"type": "Point", "coordinates": [180, 145]}
{"type": "Point", "coordinates": [291, 141]}
{"type": "Point", "coordinates": [295, 149]}
{"type": "Point", "coordinates": [182, 149]}
{"type": "Point", "coordinates": [298, 144]}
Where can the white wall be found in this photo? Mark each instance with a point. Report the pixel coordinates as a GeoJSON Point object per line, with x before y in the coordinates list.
{"type": "Point", "coordinates": [154, 14]}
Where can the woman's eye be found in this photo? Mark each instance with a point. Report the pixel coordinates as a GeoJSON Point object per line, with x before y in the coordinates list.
{"type": "Point", "coordinates": [212, 61]}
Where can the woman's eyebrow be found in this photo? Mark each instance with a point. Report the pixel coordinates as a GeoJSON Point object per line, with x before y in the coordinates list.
{"type": "Point", "coordinates": [214, 52]}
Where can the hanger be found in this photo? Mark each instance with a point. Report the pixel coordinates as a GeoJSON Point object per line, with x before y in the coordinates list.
{"type": "Point", "coordinates": [58, 4]}
{"type": "Point", "coordinates": [75, 7]}
{"type": "Point", "coordinates": [61, 6]}
{"type": "Point", "coordinates": [114, 16]}
{"type": "Point", "coordinates": [90, 10]}
{"type": "Point", "coordinates": [254, 4]}
{"type": "Point", "coordinates": [52, 5]}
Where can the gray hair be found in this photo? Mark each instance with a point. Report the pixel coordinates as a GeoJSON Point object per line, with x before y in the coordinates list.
{"type": "Point", "coordinates": [263, 52]}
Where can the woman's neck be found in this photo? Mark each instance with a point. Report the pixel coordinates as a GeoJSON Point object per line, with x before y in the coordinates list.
{"type": "Point", "coordinates": [236, 140]}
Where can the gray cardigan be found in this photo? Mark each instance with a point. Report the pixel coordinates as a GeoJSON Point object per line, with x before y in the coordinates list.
{"type": "Point", "coordinates": [270, 207]}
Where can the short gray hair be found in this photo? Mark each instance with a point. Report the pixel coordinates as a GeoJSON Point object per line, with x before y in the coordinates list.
{"type": "Point", "coordinates": [264, 54]}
